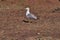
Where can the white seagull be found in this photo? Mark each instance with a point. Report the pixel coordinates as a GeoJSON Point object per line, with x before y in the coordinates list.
{"type": "Point", "coordinates": [29, 15]}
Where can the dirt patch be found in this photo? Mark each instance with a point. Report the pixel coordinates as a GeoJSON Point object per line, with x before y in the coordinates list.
{"type": "Point", "coordinates": [15, 26]}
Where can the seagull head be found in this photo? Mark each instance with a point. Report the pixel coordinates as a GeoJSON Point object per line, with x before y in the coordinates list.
{"type": "Point", "coordinates": [27, 8]}
{"type": "Point", "coordinates": [27, 11]}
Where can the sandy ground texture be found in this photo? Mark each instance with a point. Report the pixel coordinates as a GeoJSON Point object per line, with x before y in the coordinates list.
{"type": "Point", "coordinates": [15, 26]}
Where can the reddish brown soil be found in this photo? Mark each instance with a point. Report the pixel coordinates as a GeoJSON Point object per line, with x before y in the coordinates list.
{"type": "Point", "coordinates": [12, 14]}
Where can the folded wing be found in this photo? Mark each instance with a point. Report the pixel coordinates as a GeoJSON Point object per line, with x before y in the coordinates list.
{"type": "Point", "coordinates": [31, 16]}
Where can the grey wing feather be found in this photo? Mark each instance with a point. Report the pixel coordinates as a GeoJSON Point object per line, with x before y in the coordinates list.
{"type": "Point", "coordinates": [31, 16]}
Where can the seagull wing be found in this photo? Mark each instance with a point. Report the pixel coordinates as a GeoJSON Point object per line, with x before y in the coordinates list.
{"type": "Point", "coordinates": [31, 16]}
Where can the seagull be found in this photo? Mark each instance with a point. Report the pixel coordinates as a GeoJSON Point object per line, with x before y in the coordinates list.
{"type": "Point", "coordinates": [29, 15]}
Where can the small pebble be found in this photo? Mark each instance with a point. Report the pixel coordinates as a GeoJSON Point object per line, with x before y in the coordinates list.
{"type": "Point", "coordinates": [38, 33]}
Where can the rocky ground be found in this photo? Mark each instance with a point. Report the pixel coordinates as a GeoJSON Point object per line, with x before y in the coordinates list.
{"type": "Point", "coordinates": [15, 26]}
